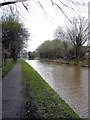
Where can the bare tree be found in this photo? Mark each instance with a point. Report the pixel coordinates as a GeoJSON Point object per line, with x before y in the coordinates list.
{"type": "Point", "coordinates": [61, 35]}
{"type": "Point", "coordinates": [78, 34]}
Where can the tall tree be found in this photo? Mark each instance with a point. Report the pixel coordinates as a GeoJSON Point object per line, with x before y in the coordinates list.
{"type": "Point", "coordinates": [14, 36]}
{"type": "Point", "coordinates": [78, 34]}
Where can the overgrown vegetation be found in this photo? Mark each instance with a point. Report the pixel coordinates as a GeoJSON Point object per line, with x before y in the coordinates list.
{"type": "Point", "coordinates": [40, 100]}
{"type": "Point", "coordinates": [5, 69]}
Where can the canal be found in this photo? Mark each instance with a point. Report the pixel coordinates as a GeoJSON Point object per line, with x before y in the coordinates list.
{"type": "Point", "coordinates": [70, 82]}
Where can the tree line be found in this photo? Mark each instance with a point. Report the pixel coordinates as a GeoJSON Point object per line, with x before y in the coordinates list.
{"type": "Point", "coordinates": [68, 43]}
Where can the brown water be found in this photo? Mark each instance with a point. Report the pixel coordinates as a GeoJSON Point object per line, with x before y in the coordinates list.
{"type": "Point", "coordinates": [70, 82]}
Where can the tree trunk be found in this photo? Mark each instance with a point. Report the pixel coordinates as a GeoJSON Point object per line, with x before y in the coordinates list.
{"type": "Point", "coordinates": [78, 52]}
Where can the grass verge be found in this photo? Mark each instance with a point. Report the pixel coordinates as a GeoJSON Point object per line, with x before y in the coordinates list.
{"type": "Point", "coordinates": [40, 100]}
{"type": "Point", "coordinates": [5, 69]}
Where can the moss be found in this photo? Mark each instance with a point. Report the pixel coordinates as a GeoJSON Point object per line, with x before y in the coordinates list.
{"type": "Point", "coordinates": [46, 101]}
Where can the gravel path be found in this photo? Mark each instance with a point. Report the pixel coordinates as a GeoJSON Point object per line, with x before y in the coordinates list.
{"type": "Point", "coordinates": [12, 95]}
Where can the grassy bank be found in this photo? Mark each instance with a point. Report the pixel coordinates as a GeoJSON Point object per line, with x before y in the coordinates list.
{"type": "Point", "coordinates": [40, 100]}
{"type": "Point", "coordinates": [7, 67]}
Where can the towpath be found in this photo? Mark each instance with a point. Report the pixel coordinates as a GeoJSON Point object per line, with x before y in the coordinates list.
{"type": "Point", "coordinates": [12, 95]}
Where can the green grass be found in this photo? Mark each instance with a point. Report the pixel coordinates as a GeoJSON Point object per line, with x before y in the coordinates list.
{"type": "Point", "coordinates": [47, 102]}
{"type": "Point", "coordinates": [7, 67]}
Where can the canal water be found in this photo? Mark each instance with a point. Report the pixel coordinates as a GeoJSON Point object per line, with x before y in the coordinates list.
{"type": "Point", "coordinates": [70, 82]}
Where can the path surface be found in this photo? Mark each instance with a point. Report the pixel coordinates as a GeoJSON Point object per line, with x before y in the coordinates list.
{"type": "Point", "coordinates": [12, 93]}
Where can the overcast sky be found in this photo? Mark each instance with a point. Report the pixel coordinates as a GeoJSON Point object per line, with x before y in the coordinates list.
{"type": "Point", "coordinates": [42, 24]}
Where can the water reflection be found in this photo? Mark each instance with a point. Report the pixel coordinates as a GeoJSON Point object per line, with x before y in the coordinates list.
{"type": "Point", "coordinates": [70, 82]}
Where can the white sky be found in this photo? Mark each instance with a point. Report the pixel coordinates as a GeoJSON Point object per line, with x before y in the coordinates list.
{"type": "Point", "coordinates": [42, 25]}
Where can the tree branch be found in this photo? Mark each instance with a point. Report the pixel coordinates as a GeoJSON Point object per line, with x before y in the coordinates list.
{"type": "Point", "coordinates": [11, 2]}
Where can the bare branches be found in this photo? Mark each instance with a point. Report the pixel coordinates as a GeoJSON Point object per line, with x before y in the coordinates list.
{"type": "Point", "coordinates": [7, 3]}
{"type": "Point", "coordinates": [25, 6]}
{"type": "Point", "coordinates": [63, 6]}
{"type": "Point", "coordinates": [11, 2]}
{"type": "Point", "coordinates": [74, 5]}
{"type": "Point", "coordinates": [53, 3]}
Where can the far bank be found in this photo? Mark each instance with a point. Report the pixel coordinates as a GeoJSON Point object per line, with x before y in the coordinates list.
{"type": "Point", "coordinates": [83, 63]}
